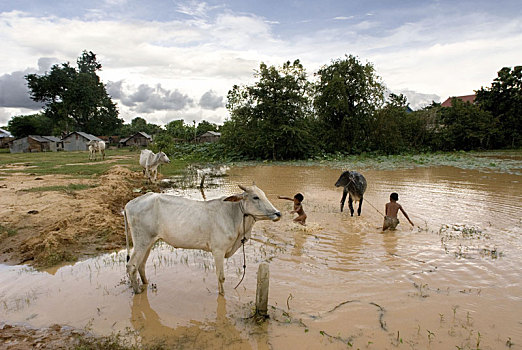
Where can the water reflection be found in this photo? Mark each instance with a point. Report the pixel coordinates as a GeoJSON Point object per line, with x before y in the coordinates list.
{"type": "Point", "coordinates": [221, 333]}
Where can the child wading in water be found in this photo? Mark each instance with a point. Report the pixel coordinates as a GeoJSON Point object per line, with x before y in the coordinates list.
{"type": "Point", "coordinates": [298, 208]}
{"type": "Point", "coordinates": [392, 208]}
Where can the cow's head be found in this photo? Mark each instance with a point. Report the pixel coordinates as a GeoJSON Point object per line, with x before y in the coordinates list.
{"type": "Point", "coordinates": [344, 179]}
{"type": "Point", "coordinates": [253, 202]}
{"type": "Point", "coordinates": [163, 158]}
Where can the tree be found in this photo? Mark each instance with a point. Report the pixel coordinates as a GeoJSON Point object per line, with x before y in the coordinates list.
{"type": "Point", "coordinates": [139, 124]}
{"type": "Point", "coordinates": [466, 126]}
{"type": "Point", "coordinates": [34, 124]}
{"type": "Point", "coordinates": [504, 100]}
{"type": "Point", "coordinates": [180, 131]}
{"type": "Point", "coordinates": [76, 98]}
{"type": "Point", "coordinates": [272, 118]}
{"type": "Point", "coordinates": [347, 95]}
{"type": "Point", "coordinates": [204, 126]}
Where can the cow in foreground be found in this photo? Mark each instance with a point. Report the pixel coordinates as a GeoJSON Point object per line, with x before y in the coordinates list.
{"type": "Point", "coordinates": [150, 161]}
{"type": "Point", "coordinates": [354, 186]}
{"type": "Point", "coordinates": [217, 226]}
{"type": "Point", "coordinates": [96, 146]}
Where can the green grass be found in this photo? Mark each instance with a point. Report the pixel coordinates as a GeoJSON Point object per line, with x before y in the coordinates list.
{"type": "Point", "coordinates": [77, 164]}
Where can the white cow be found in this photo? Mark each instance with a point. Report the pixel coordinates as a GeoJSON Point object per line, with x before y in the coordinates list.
{"type": "Point", "coordinates": [216, 226]}
{"type": "Point", "coordinates": [96, 146]}
{"type": "Point", "coordinates": [150, 161]}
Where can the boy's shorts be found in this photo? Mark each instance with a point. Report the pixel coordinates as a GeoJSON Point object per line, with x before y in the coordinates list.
{"type": "Point", "coordinates": [390, 223]}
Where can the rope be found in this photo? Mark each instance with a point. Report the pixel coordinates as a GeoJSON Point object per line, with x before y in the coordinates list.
{"type": "Point", "coordinates": [374, 207]}
{"type": "Point", "coordinates": [423, 219]}
{"type": "Point", "coordinates": [351, 181]}
{"type": "Point", "coordinates": [243, 240]}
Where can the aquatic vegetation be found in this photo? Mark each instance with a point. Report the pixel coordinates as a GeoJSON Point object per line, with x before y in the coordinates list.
{"type": "Point", "coordinates": [467, 242]}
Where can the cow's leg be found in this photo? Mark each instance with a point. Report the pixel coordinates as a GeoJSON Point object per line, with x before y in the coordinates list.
{"type": "Point", "coordinates": [103, 154]}
{"type": "Point", "coordinates": [219, 258]}
{"type": "Point", "coordinates": [141, 268]}
{"type": "Point", "coordinates": [345, 192]}
{"type": "Point", "coordinates": [360, 206]}
{"type": "Point", "coordinates": [350, 204]}
{"type": "Point", "coordinates": [139, 252]}
{"type": "Point", "coordinates": [133, 272]}
{"type": "Point", "coordinates": [154, 174]}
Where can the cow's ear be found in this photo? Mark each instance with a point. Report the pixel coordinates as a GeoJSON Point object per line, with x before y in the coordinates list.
{"type": "Point", "coordinates": [234, 198]}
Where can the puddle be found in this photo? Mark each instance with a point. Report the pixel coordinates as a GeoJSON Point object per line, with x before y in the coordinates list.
{"type": "Point", "coordinates": [452, 281]}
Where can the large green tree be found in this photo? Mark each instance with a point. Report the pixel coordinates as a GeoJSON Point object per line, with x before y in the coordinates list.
{"type": "Point", "coordinates": [271, 119]}
{"type": "Point", "coordinates": [504, 100]}
{"type": "Point", "coordinates": [179, 131]}
{"type": "Point", "coordinates": [33, 124]}
{"type": "Point", "coordinates": [75, 98]}
{"type": "Point", "coordinates": [396, 129]}
{"type": "Point", "coordinates": [347, 95]}
{"type": "Point", "coordinates": [465, 126]}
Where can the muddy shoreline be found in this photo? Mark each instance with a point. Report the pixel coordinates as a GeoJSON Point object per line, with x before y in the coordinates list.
{"type": "Point", "coordinates": [46, 228]}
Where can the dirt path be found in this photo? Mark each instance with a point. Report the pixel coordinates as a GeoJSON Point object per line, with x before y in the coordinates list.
{"type": "Point", "coordinates": [45, 228]}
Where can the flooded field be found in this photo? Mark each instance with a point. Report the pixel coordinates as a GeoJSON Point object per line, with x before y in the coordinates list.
{"type": "Point", "coordinates": [451, 282]}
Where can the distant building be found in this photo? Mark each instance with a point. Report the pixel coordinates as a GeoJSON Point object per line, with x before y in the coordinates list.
{"type": "Point", "coordinates": [78, 141]}
{"type": "Point", "coordinates": [209, 136]}
{"type": "Point", "coordinates": [139, 139]}
{"type": "Point", "coordinates": [5, 138]}
{"type": "Point", "coordinates": [110, 140]}
{"type": "Point", "coordinates": [36, 143]}
{"type": "Point", "coordinates": [467, 98]}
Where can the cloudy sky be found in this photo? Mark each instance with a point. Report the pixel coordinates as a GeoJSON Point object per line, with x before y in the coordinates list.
{"type": "Point", "coordinates": [168, 59]}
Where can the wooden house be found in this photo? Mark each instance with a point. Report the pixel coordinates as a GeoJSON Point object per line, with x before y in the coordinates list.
{"type": "Point", "coordinates": [5, 138]}
{"type": "Point", "coordinates": [139, 139]}
{"type": "Point", "coordinates": [36, 143]}
{"type": "Point", "coordinates": [78, 141]}
{"type": "Point", "coordinates": [209, 136]}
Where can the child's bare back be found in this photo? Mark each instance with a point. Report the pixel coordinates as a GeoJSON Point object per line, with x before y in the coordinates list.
{"type": "Point", "coordinates": [392, 209]}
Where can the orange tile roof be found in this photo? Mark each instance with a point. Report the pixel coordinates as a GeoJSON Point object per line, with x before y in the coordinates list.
{"type": "Point", "coordinates": [467, 98]}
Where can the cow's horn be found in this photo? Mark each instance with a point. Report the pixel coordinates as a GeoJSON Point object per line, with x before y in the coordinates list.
{"type": "Point", "coordinates": [243, 188]}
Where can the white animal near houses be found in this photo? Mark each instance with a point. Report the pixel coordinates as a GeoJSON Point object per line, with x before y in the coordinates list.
{"type": "Point", "coordinates": [96, 146]}
{"type": "Point", "coordinates": [150, 161]}
{"type": "Point", "coordinates": [217, 226]}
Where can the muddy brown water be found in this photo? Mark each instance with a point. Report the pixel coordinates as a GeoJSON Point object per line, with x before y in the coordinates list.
{"type": "Point", "coordinates": [453, 281]}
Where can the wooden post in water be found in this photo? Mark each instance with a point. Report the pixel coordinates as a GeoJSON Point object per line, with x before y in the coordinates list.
{"type": "Point", "coordinates": [263, 276]}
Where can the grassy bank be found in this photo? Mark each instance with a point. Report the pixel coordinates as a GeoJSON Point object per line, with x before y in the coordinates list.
{"type": "Point", "coordinates": [77, 164]}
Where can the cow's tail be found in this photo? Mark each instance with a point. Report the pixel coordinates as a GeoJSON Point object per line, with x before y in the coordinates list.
{"type": "Point", "coordinates": [126, 233]}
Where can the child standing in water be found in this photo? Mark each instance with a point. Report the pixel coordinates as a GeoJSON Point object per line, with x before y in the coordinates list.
{"type": "Point", "coordinates": [392, 208]}
{"type": "Point", "coordinates": [298, 208]}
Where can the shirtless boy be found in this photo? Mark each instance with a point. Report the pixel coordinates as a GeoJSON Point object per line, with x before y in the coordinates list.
{"type": "Point", "coordinates": [392, 208]}
{"type": "Point", "coordinates": [298, 208]}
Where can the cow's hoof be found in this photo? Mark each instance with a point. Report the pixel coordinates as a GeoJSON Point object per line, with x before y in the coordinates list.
{"type": "Point", "coordinates": [139, 289]}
